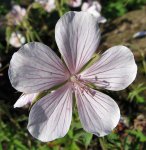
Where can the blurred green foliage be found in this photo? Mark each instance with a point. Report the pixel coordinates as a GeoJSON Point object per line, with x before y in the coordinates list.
{"type": "Point", "coordinates": [14, 136]}
{"type": "Point", "coordinates": [3, 10]}
{"type": "Point", "coordinates": [136, 93]}
{"type": "Point", "coordinates": [116, 8]}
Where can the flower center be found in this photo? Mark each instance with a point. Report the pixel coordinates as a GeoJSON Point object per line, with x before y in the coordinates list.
{"type": "Point", "coordinates": [73, 78]}
{"type": "Point", "coordinates": [77, 82]}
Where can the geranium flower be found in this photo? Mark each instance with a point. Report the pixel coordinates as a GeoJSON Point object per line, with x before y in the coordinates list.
{"type": "Point", "coordinates": [35, 68]}
{"type": "Point", "coordinates": [16, 15]}
{"type": "Point", "coordinates": [94, 8]}
{"type": "Point", "coordinates": [16, 39]}
{"type": "Point", "coordinates": [48, 5]}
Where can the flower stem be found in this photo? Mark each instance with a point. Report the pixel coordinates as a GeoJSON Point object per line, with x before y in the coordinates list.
{"type": "Point", "coordinates": [102, 143]}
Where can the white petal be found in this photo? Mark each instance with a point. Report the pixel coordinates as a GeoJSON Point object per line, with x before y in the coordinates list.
{"type": "Point", "coordinates": [102, 19]}
{"type": "Point", "coordinates": [115, 70]}
{"type": "Point", "coordinates": [16, 8]}
{"type": "Point", "coordinates": [85, 6]}
{"type": "Point", "coordinates": [91, 5]}
{"type": "Point", "coordinates": [25, 99]}
{"type": "Point", "coordinates": [50, 5]}
{"type": "Point", "coordinates": [99, 114]}
{"type": "Point", "coordinates": [94, 8]}
{"type": "Point", "coordinates": [50, 117]}
{"type": "Point", "coordinates": [77, 36]}
{"type": "Point", "coordinates": [94, 13]}
{"type": "Point", "coordinates": [97, 5]}
{"type": "Point", "coordinates": [35, 67]}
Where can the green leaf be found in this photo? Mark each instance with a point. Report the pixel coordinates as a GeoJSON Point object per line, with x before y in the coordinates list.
{"type": "Point", "coordinates": [87, 139]}
{"type": "Point", "coordinates": [102, 143]}
{"type": "Point", "coordinates": [8, 33]}
{"type": "Point", "coordinates": [36, 5]}
{"type": "Point", "coordinates": [74, 146]}
{"type": "Point", "coordinates": [20, 145]}
{"type": "Point", "coordinates": [1, 146]}
{"type": "Point", "coordinates": [138, 134]}
{"type": "Point", "coordinates": [90, 62]}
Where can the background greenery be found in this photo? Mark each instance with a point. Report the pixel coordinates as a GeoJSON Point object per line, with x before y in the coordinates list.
{"type": "Point", "coordinates": [130, 133]}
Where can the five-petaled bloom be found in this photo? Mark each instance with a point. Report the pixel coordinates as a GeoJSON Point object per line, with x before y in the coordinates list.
{"type": "Point", "coordinates": [35, 68]}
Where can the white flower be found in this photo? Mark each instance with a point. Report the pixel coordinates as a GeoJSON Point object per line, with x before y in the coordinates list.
{"type": "Point", "coordinates": [17, 39]}
{"type": "Point", "coordinates": [16, 15]}
{"type": "Point", "coordinates": [94, 8]}
{"type": "Point", "coordinates": [48, 5]}
{"type": "Point", "coordinates": [74, 3]}
{"type": "Point", "coordinates": [35, 68]}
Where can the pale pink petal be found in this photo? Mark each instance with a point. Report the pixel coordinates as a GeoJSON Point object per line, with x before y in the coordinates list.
{"type": "Point", "coordinates": [50, 117]}
{"type": "Point", "coordinates": [74, 3]}
{"type": "Point", "coordinates": [99, 114]}
{"type": "Point", "coordinates": [77, 35]}
{"type": "Point", "coordinates": [93, 8]}
{"type": "Point", "coordinates": [25, 99]}
{"type": "Point", "coordinates": [115, 70]}
{"type": "Point", "coordinates": [94, 5]}
{"type": "Point", "coordinates": [50, 5]}
{"type": "Point", "coordinates": [102, 19]}
{"type": "Point", "coordinates": [35, 67]}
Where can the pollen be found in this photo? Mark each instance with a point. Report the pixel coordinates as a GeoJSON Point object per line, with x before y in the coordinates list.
{"type": "Point", "coordinates": [73, 78]}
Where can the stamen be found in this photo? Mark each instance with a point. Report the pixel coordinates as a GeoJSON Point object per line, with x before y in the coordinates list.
{"type": "Point", "coordinates": [104, 83]}
{"type": "Point", "coordinates": [82, 84]}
